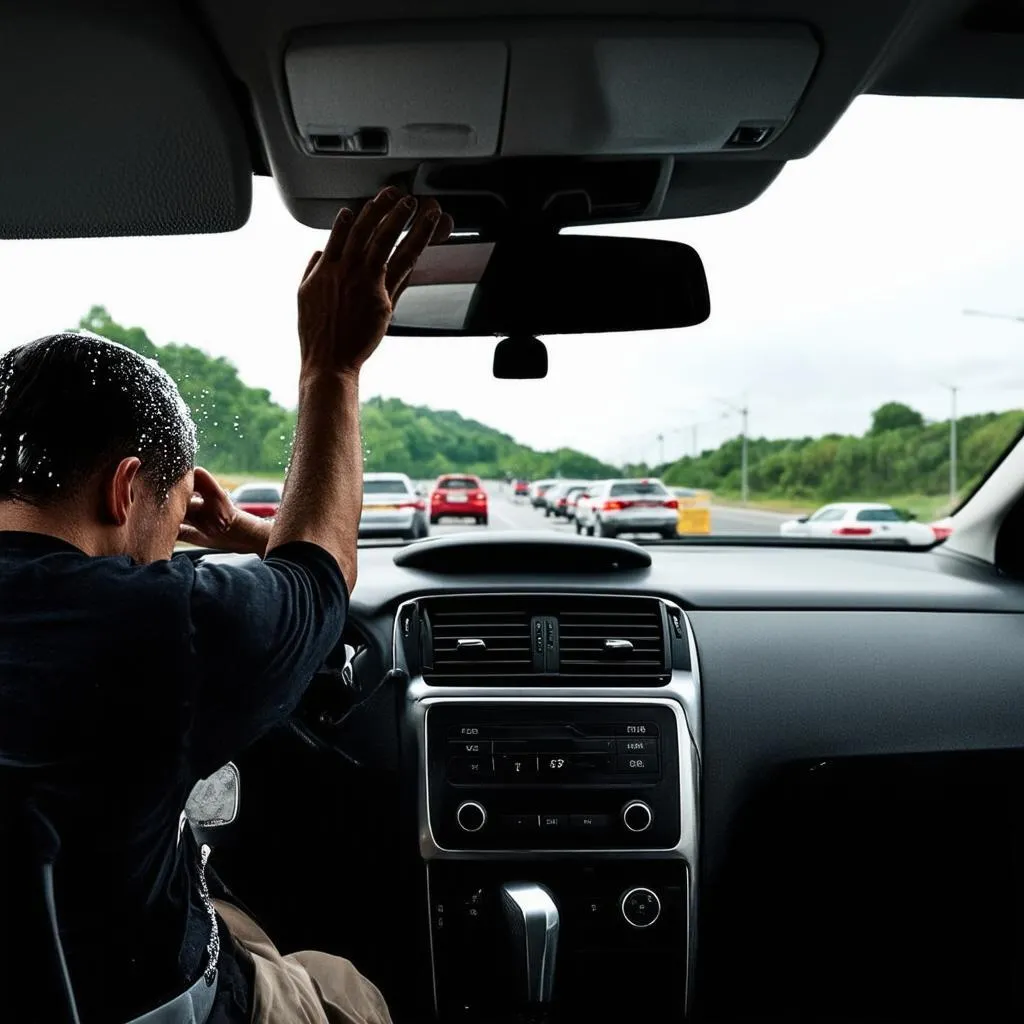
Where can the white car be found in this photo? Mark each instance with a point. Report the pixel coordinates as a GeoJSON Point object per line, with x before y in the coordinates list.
{"type": "Point", "coordinates": [853, 520]}
{"type": "Point", "coordinates": [392, 507]}
{"type": "Point", "coordinates": [627, 506]}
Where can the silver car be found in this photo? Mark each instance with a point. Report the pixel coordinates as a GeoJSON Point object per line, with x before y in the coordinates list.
{"type": "Point", "coordinates": [628, 506]}
{"type": "Point", "coordinates": [392, 507]}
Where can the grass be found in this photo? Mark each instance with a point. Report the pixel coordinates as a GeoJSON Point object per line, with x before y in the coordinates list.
{"type": "Point", "coordinates": [925, 507]}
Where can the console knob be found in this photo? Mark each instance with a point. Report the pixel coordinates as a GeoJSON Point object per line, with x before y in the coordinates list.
{"type": "Point", "coordinates": [637, 816]}
{"type": "Point", "coordinates": [470, 816]}
{"type": "Point", "coordinates": [641, 907]}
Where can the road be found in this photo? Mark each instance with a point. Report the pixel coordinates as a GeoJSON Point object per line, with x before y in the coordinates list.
{"type": "Point", "coordinates": [507, 513]}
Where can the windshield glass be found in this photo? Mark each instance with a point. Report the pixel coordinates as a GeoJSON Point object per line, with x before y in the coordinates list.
{"type": "Point", "coordinates": [864, 346]}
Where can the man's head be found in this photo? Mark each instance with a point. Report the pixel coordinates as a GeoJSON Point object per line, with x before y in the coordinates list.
{"type": "Point", "coordinates": [96, 441]}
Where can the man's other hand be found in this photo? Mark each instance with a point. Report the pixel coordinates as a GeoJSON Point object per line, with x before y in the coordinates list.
{"type": "Point", "coordinates": [348, 291]}
{"type": "Point", "coordinates": [212, 521]}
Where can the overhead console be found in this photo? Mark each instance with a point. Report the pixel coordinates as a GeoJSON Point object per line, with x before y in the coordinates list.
{"type": "Point", "coordinates": [556, 741]}
{"type": "Point", "coordinates": [598, 110]}
{"type": "Point", "coordinates": [579, 89]}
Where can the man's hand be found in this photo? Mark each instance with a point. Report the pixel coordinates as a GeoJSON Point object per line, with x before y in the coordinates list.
{"type": "Point", "coordinates": [212, 521]}
{"type": "Point", "coordinates": [348, 291]}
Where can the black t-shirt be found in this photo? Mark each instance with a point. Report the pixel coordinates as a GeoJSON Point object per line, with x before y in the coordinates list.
{"type": "Point", "coordinates": [122, 685]}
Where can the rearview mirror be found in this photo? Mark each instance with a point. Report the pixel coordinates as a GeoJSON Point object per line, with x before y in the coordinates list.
{"type": "Point", "coordinates": [553, 284]}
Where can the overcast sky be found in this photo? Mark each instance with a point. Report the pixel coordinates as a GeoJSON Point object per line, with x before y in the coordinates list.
{"type": "Point", "coordinates": [841, 288]}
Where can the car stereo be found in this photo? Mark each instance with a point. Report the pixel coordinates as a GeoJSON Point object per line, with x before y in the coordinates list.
{"type": "Point", "coordinates": [574, 776]}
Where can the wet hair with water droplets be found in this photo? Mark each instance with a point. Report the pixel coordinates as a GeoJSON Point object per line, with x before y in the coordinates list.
{"type": "Point", "coordinates": [72, 405]}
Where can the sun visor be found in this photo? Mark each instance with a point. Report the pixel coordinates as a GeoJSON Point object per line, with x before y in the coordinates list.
{"type": "Point", "coordinates": [117, 120]}
{"type": "Point", "coordinates": [551, 89]}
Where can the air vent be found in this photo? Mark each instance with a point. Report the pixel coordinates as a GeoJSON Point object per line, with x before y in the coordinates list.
{"type": "Point", "coordinates": [611, 637]}
{"type": "Point", "coordinates": [478, 637]}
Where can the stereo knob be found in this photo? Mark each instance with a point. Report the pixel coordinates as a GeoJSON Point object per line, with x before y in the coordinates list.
{"type": "Point", "coordinates": [637, 816]}
{"type": "Point", "coordinates": [640, 907]}
{"type": "Point", "coordinates": [471, 816]}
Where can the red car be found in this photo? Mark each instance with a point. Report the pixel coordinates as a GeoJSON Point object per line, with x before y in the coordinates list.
{"type": "Point", "coordinates": [522, 488]}
{"type": "Point", "coordinates": [259, 499]}
{"type": "Point", "coordinates": [462, 496]}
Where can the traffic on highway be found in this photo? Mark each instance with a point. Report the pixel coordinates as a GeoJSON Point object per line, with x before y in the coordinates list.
{"type": "Point", "coordinates": [398, 509]}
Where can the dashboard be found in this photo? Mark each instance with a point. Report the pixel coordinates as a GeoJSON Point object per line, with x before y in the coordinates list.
{"type": "Point", "coordinates": [730, 782]}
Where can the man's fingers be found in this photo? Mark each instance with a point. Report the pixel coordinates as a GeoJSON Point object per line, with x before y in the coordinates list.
{"type": "Point", "coordinates": [190, 535]}
{"type": "Point", "coordinates": [313, 261]}
{"type": "Point", "coordinates": [387, 234]}
{"type": "Point", "coordinates": [443, 231]}
{"type": "Point", "coordinates": [340, 231]}
{"type": "Point", "coordinates": [366, 224]}
{"type": "Point", "coordinates": [409, 250]}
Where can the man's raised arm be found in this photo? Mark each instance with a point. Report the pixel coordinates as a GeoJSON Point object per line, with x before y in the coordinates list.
{"type": "Point", "coordinates": [346, 299]}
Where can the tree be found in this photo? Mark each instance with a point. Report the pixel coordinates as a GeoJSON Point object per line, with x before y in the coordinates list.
{"type": "Point", "coordinates": [242, 430]}
{"type": "Point", "coordinates": [894, 416]}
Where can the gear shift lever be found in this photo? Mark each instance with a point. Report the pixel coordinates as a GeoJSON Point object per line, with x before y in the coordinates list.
{"type": "Point", "coordinates": [532, 919]}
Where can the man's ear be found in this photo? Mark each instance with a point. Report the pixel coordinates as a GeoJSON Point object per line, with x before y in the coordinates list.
{"type": "Point", "coordinates": [121, 490]}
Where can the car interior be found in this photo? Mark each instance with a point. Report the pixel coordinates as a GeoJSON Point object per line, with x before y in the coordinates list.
{"type": "Point", "coordinates": [552, 776]}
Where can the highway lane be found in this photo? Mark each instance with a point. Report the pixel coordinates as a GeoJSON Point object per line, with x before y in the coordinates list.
{"type": "Point", "coordinates": [509, 513]}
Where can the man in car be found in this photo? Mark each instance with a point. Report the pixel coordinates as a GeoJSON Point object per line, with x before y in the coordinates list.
{"type": "Point", "coordinates": [127, 674]}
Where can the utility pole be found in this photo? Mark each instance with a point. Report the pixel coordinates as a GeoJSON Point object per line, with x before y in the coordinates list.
{"type": "Point", "coordinates": [661, 449]}
{"type": "Point", "coordinates": [953, 389]}
{"type": "Point", "coordinates": [994, 316]}
{"type": "Point", "coordinates": [696, 450]}
{"type": "Point", "coordinates": [744, 412]}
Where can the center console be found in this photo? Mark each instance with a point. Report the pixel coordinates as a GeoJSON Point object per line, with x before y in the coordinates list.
{"type": "Point", "coordinates": [558, 829]}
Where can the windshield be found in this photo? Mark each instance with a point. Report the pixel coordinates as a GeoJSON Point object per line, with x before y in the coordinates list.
{"type": "Point", "coordinates": [862, 348]}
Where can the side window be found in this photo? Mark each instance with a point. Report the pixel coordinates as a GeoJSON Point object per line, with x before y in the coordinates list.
{"type": "Point", "coordinates": [822, 513]}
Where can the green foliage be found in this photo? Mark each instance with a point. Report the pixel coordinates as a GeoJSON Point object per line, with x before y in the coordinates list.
{"type": "Point", "coordinates": [241, 430]}
{"type": "Point", "coordinates": [908, 460]}
{"type": "Point", "coordinates": [894, 416]}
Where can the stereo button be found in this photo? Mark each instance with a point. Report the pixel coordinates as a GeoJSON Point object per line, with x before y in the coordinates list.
{"type": "Point", "coordinates": [636, 764]}
{"type": "Point", "coordinates": [632, 747]}
{"type": "Point", "coordinates": [637, 729]}
{"type": "Point", "coordinates": [470, 748]}
{"type": "Point", "coordinates": [517, 768]}
{"type": "Point", "coordinates": [589, 822]}
{"type": "Point", "coordinates": [470, 769]}
{"type": "Point", "coordinates": [556, 766]}
{"type": "Point", "coordinates": [520, 822]}
{"type": "Point", "coordinates": [553, 822]}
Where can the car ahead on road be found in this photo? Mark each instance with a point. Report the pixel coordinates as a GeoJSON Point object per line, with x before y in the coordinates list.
{"type": "Point", "coordinates": [259, 499]}
{"type": "Point", "coordinates": [538, 489]}
{"type": "Point", "coordinates": [565, 505]}
{"type": "Point", "coordinates": [628, 506]}
{"type": "Point", "coordinates": [459, 496]}
{"type": "Point", "coordinates": [521, 488]}
{"type": "Point", "coordinates": [555, 498]}
{"type": "Point", "coordinates": [853, 520]}
{"type": "Point", "coordinates": [392, 507]}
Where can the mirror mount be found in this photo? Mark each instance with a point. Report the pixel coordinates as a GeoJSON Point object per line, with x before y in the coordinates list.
{"type": "Point", "coordinates": [520, 357]}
